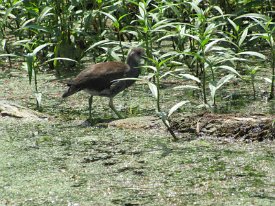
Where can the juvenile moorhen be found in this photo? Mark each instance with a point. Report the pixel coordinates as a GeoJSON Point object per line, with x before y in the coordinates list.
{"type": "Point", "coordinates": [100, 79]}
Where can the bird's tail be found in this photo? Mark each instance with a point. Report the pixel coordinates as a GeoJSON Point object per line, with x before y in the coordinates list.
{"type": "Point", "coordinates": [71, 90]}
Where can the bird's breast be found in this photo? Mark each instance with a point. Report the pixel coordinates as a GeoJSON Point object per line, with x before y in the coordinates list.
{"type": "Point", "coordinates": [104, 92]}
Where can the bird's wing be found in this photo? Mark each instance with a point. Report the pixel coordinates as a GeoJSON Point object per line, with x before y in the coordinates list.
{"type": "Point", "coordinates": [101, 75]}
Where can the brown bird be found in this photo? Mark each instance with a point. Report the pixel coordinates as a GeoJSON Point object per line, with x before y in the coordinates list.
{"type": "Point", "coordinates": [101, 79]}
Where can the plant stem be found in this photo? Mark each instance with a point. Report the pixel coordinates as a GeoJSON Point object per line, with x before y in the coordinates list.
{"type": "Point", "coordinates": [170, 130]}
{"type": "Point", "coordinates": [36, 87]}
{"type": "Point", "coordinates": [120, 44]}
{"type": "Point", "coordinates": [273, 74]}
{"type": "Point", "coordinates": [253, 85]}
{"type": "Point", "coordinates": [35, 82]}
{"type": "Point", "coordinates": [203, 83]}
{"type": "Point", "coordinates": [164, 119]}
{"type": "Point", "coordinates": [158, 85]}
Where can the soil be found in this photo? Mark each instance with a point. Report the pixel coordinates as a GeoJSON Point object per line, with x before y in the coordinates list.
{"type": "Point", "coordinates": [256, 127]}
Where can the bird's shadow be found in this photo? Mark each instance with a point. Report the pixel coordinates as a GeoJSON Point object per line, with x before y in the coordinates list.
{"type": "Point", "coordinates": [97, 122]}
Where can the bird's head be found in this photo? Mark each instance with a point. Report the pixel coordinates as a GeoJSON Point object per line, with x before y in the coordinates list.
{"type": "Point", "coordinates": [135, 55]}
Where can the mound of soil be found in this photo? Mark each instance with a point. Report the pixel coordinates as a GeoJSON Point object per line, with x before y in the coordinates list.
{"type": "Point", "coordinates": [139, 123]}
{"type": "Point", "coordinates": [252, 128]}
{"type": "Point", "coordinates": [12, 110]}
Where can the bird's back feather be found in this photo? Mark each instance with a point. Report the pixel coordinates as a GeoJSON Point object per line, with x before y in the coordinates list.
{"type": "Point", "coordinates": [97, 77]}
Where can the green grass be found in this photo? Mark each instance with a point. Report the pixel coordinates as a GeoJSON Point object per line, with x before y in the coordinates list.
{"type": "Point", "coordinates": [53, 164]}
{"type": "Point", "coordinates": [58, 162]}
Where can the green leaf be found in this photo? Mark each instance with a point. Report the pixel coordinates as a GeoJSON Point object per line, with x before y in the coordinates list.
{"type": "Point", "coordinates": [271, 42]}
{"type": "Point", "coordinates": [211, 44]}
{"type": "Point", "coordinates": [3, 44]}
{"type": "Point", "coordinates": [186, 87]}
{"type": "Point", "coordinates": [163, 117]}
{"type": "Point", "coordinates": [97, 44]}
{"type": "Point", "coordinates": [44, 13]}
{"type": "Point", "coordinates": [235, 26]}
{"type": "Point", "coordinates": [21, 42]}
{"type": "Point", "coordinates": [27, 22]}
{"type": "Point", "coordinates": [196, 8]}
{"type": "Point", "coordinates": [125, 79]}
{"type": "Point", "coordinates": [116, 24]}
{"type": "Point", "coordinates": [219, 10]}
{"type": "Point", "coordinates": [254, 15]}
{"type": "Point", "coordinates": [153, 89]}
{"type": "Point", "coordinates": [142, 9]}
{"type": "Point", "coordinates": [166, 37]}
{"type": "Point", "coordinates": [38, 97]}
{"type": "Point", "coordinates": [244, 35]}
{"type": "Point", "coordinates": [150, 67]}
{"type": "Point", "coordinates": [115, 55]}
{"type": "Point", "coordinates": [267, 80]}
{"type": "Point", "coordinates": [109, 15]}
{"type": "Point", "coordinates": [30, 61]}
{"type": "Point", "coordinates": [8, 55]}
{"type": "Point", "coordinates": [231, 69]}
{"type": "Point", "coordinates": [60, 58]}
{"type": "Point", "coordinates": [37, 49]}
{"type": "Point", "coordinates": [252, 53]}
{"type": "Point", "coordinates": [169, 54]}
{"type": "Point", "coordinates": [204, 42]}
{"type": "Point", "coordinates": [121, 17]}
{"type": "Point", "coordinates": [163, 25]}
{"type": "Point", "coordinates": [224, 80]}
{"type": "Point", "coordinates": [264, 24]}
{"type": "Point", "coordinates": [189, 76]}
{"type": "Point", "coordinates": [176, 107]}
{"type": "Point", "coordinates": [213, 86]}
{"type": "Point", "coordinates": [165, 60]}
{"type": "Point", "coordinates": [192, 36]}
{"type": "Point", "coordinates": [209, 29]}
{"type": "Point", "coordinates": [213, 90]}
{"type": "Point", "coordinates": [56, 51]}
{"type": "Point", "coordinates": [36, 27]}
{"type": "Point", "coordinates": [8, 14]}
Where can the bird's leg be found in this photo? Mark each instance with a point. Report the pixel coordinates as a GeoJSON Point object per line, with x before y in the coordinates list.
{"type": "Point", "coordinates": [90, 108]}
{"type": "Point", "coordinates": [111, 105]}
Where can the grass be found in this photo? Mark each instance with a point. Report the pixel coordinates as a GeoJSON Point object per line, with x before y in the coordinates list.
{"type": "Point", "coordinates": [58, 162]}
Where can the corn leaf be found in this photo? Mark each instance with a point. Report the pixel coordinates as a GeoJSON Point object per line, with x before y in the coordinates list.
{"type": "Point", "coordinates": [252, 53]}
{"type": "Point", "coordinates": [176, 107]}
{"type": "Point", "coordinates": [153, 89]}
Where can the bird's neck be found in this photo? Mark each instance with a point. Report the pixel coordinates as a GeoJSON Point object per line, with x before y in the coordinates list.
{"type": "Point", "coordinates": [134, 67]}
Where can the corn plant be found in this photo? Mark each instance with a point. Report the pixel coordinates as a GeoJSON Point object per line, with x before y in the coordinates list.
{"type": "Point", "coordinates": [158, 65]}
{"type": "Point", "coordinates": [9, 26]}
{"type": "Point", "coordinates": [206, 50]}
{"type": "Point", "coordinates": [119, 30]}
{"type": "Point", "coordinates": [187, 40]}
{"type": "Point", "coordinates": [266, 32]}
{"type": "Point", "coordinates": [150, 26]}
{"type": "Point", "coordinates": [32, 68]}
{"type": "Point", "coordinates": [238, 40]}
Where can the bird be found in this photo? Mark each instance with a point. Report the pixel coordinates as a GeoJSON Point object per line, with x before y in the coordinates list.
{"type": "Point", "coordinates": [104, 79]}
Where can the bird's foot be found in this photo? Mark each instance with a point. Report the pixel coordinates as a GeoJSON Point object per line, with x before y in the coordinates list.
{"type": "Point", "coordinates": [89, 122]}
